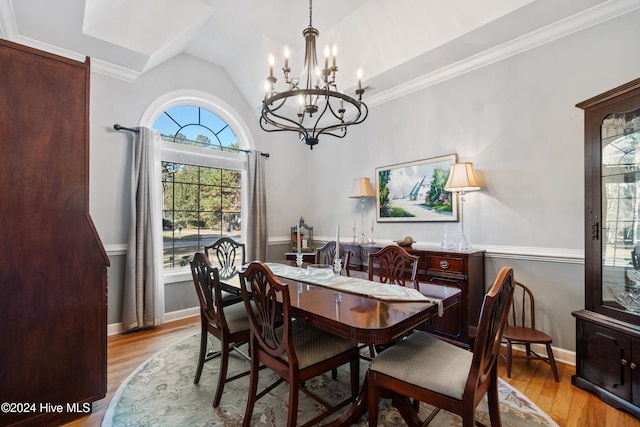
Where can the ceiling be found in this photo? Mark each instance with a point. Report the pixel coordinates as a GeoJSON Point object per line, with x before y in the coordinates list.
{"type": "Point", "coordinates": [401, 45]}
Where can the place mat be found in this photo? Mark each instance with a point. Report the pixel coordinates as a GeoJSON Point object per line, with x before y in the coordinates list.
{"type": "Point", "coordinates": [381, 291]}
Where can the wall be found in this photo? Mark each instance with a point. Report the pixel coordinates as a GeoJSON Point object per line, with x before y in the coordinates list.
{"type": "Point", "coordinates": [515, 119]}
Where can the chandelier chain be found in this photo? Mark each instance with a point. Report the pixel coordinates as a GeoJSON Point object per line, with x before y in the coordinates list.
{"type": "Point", "coordinates": [310, 14]}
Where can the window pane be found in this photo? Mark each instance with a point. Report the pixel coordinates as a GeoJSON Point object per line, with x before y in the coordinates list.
{"type": "Point", "coordinates": [200, 205]}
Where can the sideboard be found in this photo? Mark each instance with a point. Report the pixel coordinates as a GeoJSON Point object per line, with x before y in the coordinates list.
{"type": "Point", "coordinates": [463, 270]}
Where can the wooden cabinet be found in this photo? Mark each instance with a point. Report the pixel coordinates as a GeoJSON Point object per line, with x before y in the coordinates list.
{"type": "Point", "coordinates": [464, 271]}
{"type": "Point", "coordinates": [608, 330]}
{"type": "Point", "coordinates": [53, 274]}
{"type": "Point", "coordinates": [609, 361]}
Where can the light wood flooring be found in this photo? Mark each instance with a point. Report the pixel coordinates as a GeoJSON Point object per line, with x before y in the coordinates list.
{"type": "Point", "coordinates": [567, 405]}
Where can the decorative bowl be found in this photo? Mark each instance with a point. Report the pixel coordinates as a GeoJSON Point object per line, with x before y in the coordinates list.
{"type": "Point", "coordinates": [320, 270]}
{"type": "Point", "coordinates": [626, 296]}
{"type": "Point", "coordinates": [406, 242]}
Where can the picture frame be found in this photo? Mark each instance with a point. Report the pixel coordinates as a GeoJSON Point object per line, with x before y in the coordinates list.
{"type": "Point", "coordinates": [414, 191]}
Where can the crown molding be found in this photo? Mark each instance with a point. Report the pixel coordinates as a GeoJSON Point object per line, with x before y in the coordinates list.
{"type": "Point", "coordinates": [555, 31]}
{"type": "Point", "coordinates": [115, 71]}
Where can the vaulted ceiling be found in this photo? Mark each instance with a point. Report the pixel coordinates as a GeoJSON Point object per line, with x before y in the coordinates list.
{"type": "Point", "coordinates": [400, 45]}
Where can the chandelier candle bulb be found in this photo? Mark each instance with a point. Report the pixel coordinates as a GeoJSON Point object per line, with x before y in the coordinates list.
{"type": "Point", "coordinates": [271, 62]}
{"type": "Point", "coordinates": [327, 53]}
{"type": "Point", "coordinates": [333, 61]}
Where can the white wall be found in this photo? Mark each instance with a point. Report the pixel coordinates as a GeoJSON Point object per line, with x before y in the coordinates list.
{"type": "Point", "coordinates": [516, 120]}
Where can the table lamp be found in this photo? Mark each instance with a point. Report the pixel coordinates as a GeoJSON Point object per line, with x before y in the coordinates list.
{"type": "Point", "coordinates": [462, 178]}
{"type": "Point", "coordinates": [361, 188]}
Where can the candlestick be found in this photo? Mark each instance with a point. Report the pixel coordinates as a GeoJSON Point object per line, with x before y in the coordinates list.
{"type": "Point", "coordinates": [299, 244]}
{"type": "Point", "coordinates": [337, 262]}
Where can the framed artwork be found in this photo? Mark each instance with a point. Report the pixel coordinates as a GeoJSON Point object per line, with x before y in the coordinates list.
{"type": "Point", "coordinates": [414, 191]}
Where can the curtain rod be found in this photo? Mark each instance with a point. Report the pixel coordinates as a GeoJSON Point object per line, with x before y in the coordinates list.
{"type": "Point", "coordinates": [118, 127]}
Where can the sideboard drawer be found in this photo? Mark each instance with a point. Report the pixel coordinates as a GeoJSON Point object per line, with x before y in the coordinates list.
{"type": "Point", "coordinates": [445, 264]}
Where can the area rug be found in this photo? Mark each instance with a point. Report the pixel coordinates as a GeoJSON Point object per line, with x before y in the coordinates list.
{"type": "Point", "coordinates": [161, 392]}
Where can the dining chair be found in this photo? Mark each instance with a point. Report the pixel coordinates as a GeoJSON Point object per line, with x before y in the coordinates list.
{"type": "Point", "coordinates": [228, 256]}
{"type": "Point", "coordinates": [521, 330]}
{"type": "Point", "coordinates": [228, 323]}
{"type": "Point", "coordinates": [292, 348]}
{"type": "Point", "coordinates": [393, 264]}
{"type": "Point", "coordinates": [326, 255]}
{"type": "Point", "coordinates": [427, 369]}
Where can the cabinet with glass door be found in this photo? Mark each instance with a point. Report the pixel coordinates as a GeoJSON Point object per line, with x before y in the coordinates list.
{"type": "Point", "coordinates": [608, 329]}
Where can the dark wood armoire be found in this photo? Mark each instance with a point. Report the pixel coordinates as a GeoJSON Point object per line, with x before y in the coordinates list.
{"type": "Point", "coordinates": [53, 267]}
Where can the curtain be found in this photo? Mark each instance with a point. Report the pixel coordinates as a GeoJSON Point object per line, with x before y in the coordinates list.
{"type": "Point", "coordinates": [256, 241]}
{"type": "Point", "coordinates": [143, 296]}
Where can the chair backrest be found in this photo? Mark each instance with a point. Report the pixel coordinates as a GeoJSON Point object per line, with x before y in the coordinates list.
{"type": "Point", "coordinates": [228, 256]}
{"type": "Point", "coordinates": [326, 254]}
{"type": "Point", "coordinates": [391, 265]}
{"type": "Point", "coordinates": [493, 319]}
{"type": "Point", "coordinates": [268, 304]}
{"type": "Point", "coordinates": [207, 283]}
{"type": "Point", "coordinates": [522, 312]}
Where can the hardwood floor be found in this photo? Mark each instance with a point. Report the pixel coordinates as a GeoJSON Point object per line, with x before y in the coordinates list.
{"type": "Point", "coordinates": [567, 405]}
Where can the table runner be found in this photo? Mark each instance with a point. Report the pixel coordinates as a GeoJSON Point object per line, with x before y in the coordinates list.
{"type": "Point", "coordinates": [382, 291]}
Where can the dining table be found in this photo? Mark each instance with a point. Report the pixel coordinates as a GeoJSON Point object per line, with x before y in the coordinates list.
{"type": "Point", "coordinates": [365, 312]}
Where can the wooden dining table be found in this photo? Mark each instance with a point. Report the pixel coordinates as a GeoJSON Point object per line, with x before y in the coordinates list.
{"type": "Point", "coordinates": [362, 319]}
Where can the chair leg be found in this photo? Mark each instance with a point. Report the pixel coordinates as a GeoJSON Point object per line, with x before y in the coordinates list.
{"type": "Point", "coordinates": [508, 358]}
{"type": "Point", "coordinates": [372, 399]}
{"type": "Point", "coordinates": [552, 362]}
{"type": "Point", "coordinates": [222, 375]}
{"type": "Point", "coordinates": [492, 397]}
{"type": "Point", "coordinates": [253, 390]}
{"type": "Point", "coordinates": [372, 351]}
{"type": "Point", "coordinates": [292, 417]}
{"type": "Point", "coordinates": [354, 368]}
{"type": "Point", "coordinates": [469, 416]}
{"type": "Point", "coordinates": [204, 336]}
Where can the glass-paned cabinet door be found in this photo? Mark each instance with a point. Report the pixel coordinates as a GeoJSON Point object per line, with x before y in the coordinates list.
{"type": "Point", "coordinates": [620, 174]}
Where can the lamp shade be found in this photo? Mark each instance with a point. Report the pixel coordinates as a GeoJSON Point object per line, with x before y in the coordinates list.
{"type": "Point", "coordinates": [362, 188]}
{"type": "Point", "coordinates": [462, 177]}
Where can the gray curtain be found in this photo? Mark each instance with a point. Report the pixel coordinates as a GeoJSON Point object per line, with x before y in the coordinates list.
{"type": "Point", "coordinates": [139, 293]}
{"type": "Point", "coordinates": [256, 241]}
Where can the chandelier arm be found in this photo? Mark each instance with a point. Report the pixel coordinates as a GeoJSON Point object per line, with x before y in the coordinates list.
{"type": "Point", "coordinates": [281, 125]}
{"type": "Point", "coordinates": [359, 118]}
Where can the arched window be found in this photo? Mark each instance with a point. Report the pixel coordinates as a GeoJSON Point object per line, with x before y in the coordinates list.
{"type": "Point", "coordinates": [202, 181]}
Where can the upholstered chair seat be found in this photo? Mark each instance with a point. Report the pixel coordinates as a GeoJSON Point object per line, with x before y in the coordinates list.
{"type": "Point", "coordinates": [313, 345]}
{"type": "Point", "coordinates": [427, 362]}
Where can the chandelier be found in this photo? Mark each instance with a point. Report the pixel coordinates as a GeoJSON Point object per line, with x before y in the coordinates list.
{"type": "Point", "coordinates": [311, 104]}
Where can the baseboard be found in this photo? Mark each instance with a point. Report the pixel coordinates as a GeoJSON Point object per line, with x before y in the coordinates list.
{"type": "Point", "coordinates": [561, 355]}
{"type": "Point", "coordinates": [116, 328]}
{"type": "Point", "coordinates": [181, 314]}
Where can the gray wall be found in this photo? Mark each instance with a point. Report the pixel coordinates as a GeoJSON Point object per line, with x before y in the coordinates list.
{"type": "Point", "coordinates": [515, 119]}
